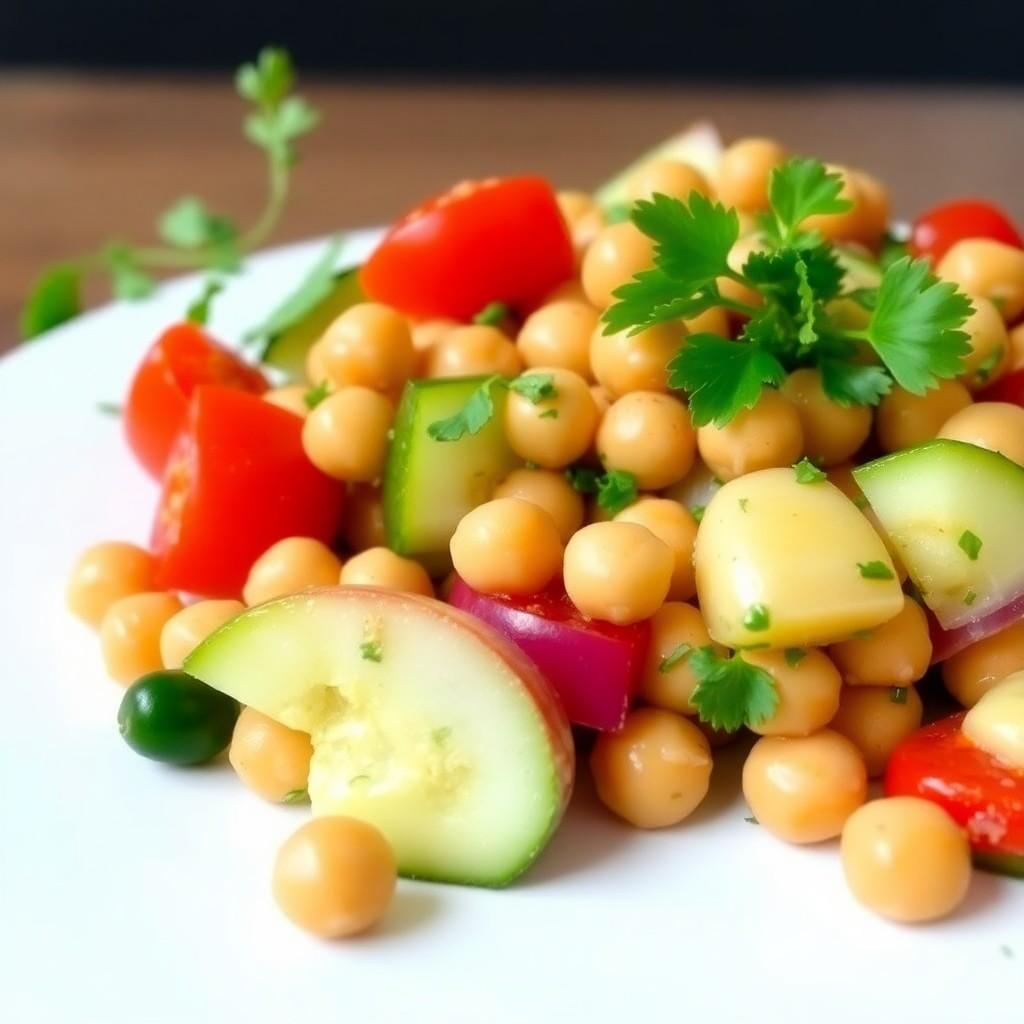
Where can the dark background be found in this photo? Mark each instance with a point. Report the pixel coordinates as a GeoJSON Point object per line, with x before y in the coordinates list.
{"type": "Point", "coordinates": [840, 40]}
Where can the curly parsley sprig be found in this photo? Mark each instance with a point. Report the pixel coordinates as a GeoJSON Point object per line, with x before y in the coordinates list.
{"type": "Point", "coordinates": [915, 320]}
{"type": "Point", "coordinates": [194, 236]}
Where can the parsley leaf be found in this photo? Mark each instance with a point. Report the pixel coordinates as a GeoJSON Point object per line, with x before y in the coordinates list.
{"type": "Point", "coordinates": [731, 692]}
{"type": "Point", "coordinates": [652, 297]}
{"type": "Point", "coordinates": [269, 79]}
{"type": "Point", "coordinates": [314, 287]}
{"type": "Point", "coordinates": [583, 479]}
{"type": "Point", "coordinates": [697, 511]}
{"type": "Point", "coordinates": [794, 655]}
{"type": "Point", "coordinates": [970, 597]}
{"type": "Point", "coordinates": [915, 326]}
{"type": "Point", "coordinates": [54, 299]}
{"type": "Point", "coordinates": [676, 655]}
{"type": "Point", "coordinates": [853, 383]}
{"type": "Point", "coordinates": [110, 408]}
{"type": "Point", "coordinates": [316, 394]}
{"type": "Point", "coordinates": [802, 188]}
{"type": "Point", "coordinates": [188, 224]}
{"type": "Point", "coordinates": [128, 279]}
{"type": "Point", "coordinates": [492, 314]}
{"type": "Point", "coordinates": [692, 240]}
{"type": "Point", "coordinates": [616, 490]}
{"type": "Point", "coordinates": [808, 473]}
{"type": "Point", "coordinates": [875, 571]}
{"type": "Point", "coordinates": [757, 618]}
{"type": "Point", "coordinates": [536, 387]}
{"type": "Point", "coordinates": [198, 311]}
{"type": "Point", "coordinates": [470, 419]}
{"type": "Point", "coordinates": [722, 377]}
{"type": "Point", "coordinates": [295, 796]}
{"type": "Point", "coordinates": [371, 650]}
{"type": "Point", "coordinates": [970, 543]}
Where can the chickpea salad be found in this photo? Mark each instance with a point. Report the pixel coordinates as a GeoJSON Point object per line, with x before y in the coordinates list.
{"type": "Point", "coordinates": [561, 482]}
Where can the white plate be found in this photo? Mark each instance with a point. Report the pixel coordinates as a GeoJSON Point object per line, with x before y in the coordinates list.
{"type": "Point", "coordinates": [131, 893]}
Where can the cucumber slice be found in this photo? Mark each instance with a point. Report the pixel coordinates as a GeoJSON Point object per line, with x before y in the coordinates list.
{"type": "Point", "coordinates": [287, 351]}
{"type": "Point", "coordinates": [932, 500]}
{"type": "Point", "coordinates": [700, 145]}
{"type": "Point", "coordinates": [423, 721]}
{"type": "Point", "coordinates": [430, 485]}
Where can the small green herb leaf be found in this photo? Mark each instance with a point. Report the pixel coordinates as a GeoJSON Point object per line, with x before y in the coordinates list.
{"type": "Point", "coordinates": [849, 383]}
{"type": "Point", "coordinates": [128, 279]}
{"type": "Point", "coordinates": [296, 796]}
{"type": "Point", "coordinates": [316, 394]}
{"type": "Point", "coordinates": [470, 419]}
{"type": "Point", "coordinates": [371, 650]}
{"type": "Point", "coordinates": [808, 473]}
{"type": "Point", "coordinates": [676, 655]}
{"type": "Point", "coordinates": [268, 79]}
{"type": "Point", "coordinates": [697, 511]}
{"type": "Point", "coordinates": [970, 597]}
{"type": "Point", "coordinates": [731, 692]}
{"type": "Point", "coordinates": [109, 408]}
{"type": "Point", "coordinates": [757, 618]}
{"type": "Point", "coordinates": [198, 311]}
{"type": "Point", "coordinates": [794, 655]}
{"type": "Point", "coordinates": [898, 694]}
{"type": "Point", "coordinates": [188, 224]}
{"type": "Point", "coordinates": [536, 387]}
{"type": "Point", "coordinates": [54, 299]}
{"type": "Point", "coordinates": [744, 504]}
{"type": "Point", "coordinates": [802, 188]}
{"type": "Point", "coordinates": [549, 414]}
{"type": "Point", "coordinates": [616, 490]}
{"type": "Point", "coordinates": [875, 571]}
{"type": "Point", "coordinates": [492, 314]}
{"type": "Point", "coordinates": [583, 479]}
{"type": "Point", "coordinates": [970, 544]}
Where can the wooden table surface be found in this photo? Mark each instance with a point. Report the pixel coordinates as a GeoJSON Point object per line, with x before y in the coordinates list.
{"type": "Point", "coordinates": [87, 159]}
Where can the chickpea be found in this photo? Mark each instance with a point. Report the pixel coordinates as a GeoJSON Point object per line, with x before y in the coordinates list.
{"type": "Point", "coordinates": [982, 266]}
{"type": "Point", "coordinates": [335, 876]}
{"type": "Point", "coordinates": [292, 398]}
{"type": "Point", "coordinates": [186, 630]}
{"type": "Point", "coordinates": [896, 653]}
{"type": "Point", "coordinates": [832, 432]}
{"type": "Point", "coordinates": [619, 572]}
{"type": "Point", "coordinates": [507, 546]}
{"type": "Point", "coordinates": [550, 491]}
{"type": "Point", "coordinates": [558, 334]}
{"type": "Point", "coordinates": [674, 526]}
{"type": "Point", "coordinates": [316, 366]}
{"type": "Point", "coordinates": [1016, 340]}
{"type": "Point", "coordinates": [288, 566]}
{"type": "Point", "coordinates": [130, 634]}
{"type": "Point", "coordinates": [381, 567]}
{"type": "Point", "coordinates": [557, 430]}
{"type": "Point", "coordinates": [744, 170]}
{"type": "Point", "coordinates": [667, 177]}
{"type": "Point", "coordinates": [671, 685]}
{"type": "Point", "coordinates": [997, 426]}
{"type": "Point", "coordinates": [364, 518]}
{"type": "Point", "coordinates": [649, 435]}
{"type": "Point", "coordinates": [841, 226]}
{"type": "Point", "coordinates": [876, 720]}
{"type": "Point", "coordinates": [346, 435]}
{"type": "Point", "coordinates": [734, 290]}
{"type": "Point", "coordinates": [906, 859]}
{"type": "Point", "coordinates": [104, 574]}
{"type": "Point", "coordinates": [582, 215]}
{"type": "Point", "coordinates": [475, 350]}
{"type": "Point", "coordinates": [808, 685]}
{"type": "Point", "coordinates": [622, 364]}
{"type": "Point", "coordinates": [369, 345]}
{"type": "Point", "coordinates": [425, 335]}
{"type": "Point", "coordinates": [975, 670]}
{"type": "Point", "coordinates": [803, 790]}
{"type": "Point", "coordinates": [990, 345]}
{"type": "Point", "coordinates": [873, 208]}
{"type": "Point", "coordinates": [617, 253]}
{"type": "Point", "coordinates": [842, 477]}
{"type": "Point", "coordinates": [904, 419]}
{"type": "Point", "coordinates": [567, 291]}
{"type": "Point", "coordinates": [270, 759]}
{"type": "Point", "coordinates": [654, 772]}
{"type": "Point", "coordinates": [714, 320]}
{"type": "Point", "coordinates": [767, 435]}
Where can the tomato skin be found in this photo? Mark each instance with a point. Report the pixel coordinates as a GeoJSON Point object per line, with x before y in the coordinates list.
{"type": "Point", "coordinates": [498, 240]}
{"type": "Point", "coordinates": [180, 360]}
{"type": "Point", "coordinates": [938, 230]}
{"type": "Point", "coordinates": [979, 792]}
{"type": "Point", "coordinates": [1007, 389]}
{"type": "Point", "coordinates": [237, 481]}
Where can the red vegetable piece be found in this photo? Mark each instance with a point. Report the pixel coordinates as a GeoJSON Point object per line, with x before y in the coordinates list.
{"type": "Point", "coordinates": [594, 666]}
{"type": "Point", "coordinates": [947, 642]}
{"type": "Point", "coordinates": [498, 240]}
{"type": "Point", "coordinates": [182, 358]}
{"type": "Point", "coordinates": [979, 792]}
{"type": "Point", "coordinates": [938, 230]}
{"type": "Point", "coordinates": [237, 481]}
{"type": "Point", "coordinates": [1007, 389]}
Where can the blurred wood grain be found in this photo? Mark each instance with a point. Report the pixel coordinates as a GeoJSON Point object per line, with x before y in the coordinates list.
{"type": "Point", "coordinates": [84, 159]}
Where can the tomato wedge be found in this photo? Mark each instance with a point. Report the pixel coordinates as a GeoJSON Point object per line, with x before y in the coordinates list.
{"type": "Point", "coordinates": [1007, 389]}
{"type": "Point", "coordinates": [237, 481]}
{"type": "Point", "coordinates": [979, 792]}
{"type": "Point", "coordinates": [938, 230]}
{"type": "Point", "coordinates": [498, 240]}
{"type": "Point", "coordinates": [181, 359]}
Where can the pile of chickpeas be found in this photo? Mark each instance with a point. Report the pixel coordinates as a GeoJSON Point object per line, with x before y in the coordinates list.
{"type": "Point", "coordinates": [841, 710]}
